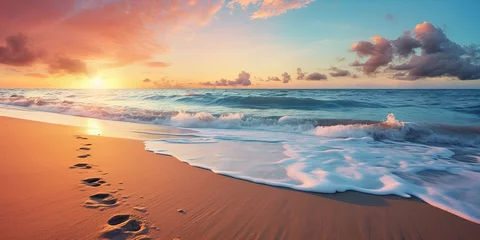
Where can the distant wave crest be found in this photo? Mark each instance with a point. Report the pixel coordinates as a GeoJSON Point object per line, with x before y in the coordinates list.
{"type": "Point", "coordinates": [279, 102]}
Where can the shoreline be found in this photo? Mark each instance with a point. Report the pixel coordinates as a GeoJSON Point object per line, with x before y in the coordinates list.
{"type": "Point", "coordinates": [40, 185]}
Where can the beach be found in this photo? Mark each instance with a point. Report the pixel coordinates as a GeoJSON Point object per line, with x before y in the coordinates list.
{"type": "Point", "coordinates": [44, 198]}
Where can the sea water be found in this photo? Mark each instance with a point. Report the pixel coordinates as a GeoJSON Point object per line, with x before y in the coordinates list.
{"type": "Point", "coordinates": [422, 143]}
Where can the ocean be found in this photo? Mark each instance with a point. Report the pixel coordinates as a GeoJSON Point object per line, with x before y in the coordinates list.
{"type": "Point", "coordinates": [422, 143]}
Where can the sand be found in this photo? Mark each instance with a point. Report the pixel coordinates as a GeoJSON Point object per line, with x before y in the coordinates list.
{"type": "Point", "coordinates": [58, 182]}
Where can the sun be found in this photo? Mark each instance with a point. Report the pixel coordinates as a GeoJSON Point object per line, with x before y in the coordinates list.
{"type": "Point", "coordinates": [96, 82]}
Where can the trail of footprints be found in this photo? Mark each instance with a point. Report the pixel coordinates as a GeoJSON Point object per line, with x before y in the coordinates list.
{"type": "Point", "coordinates": [121, 226]}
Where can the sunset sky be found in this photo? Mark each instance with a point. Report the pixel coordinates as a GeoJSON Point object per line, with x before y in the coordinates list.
{"type": "Point", "coordinates": [239, 44]}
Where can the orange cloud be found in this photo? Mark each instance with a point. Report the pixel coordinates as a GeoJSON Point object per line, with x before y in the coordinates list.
{"type": "Point", "coordinates": [116, 32]}
{"type": "Point", "coordinates": [36, 75]}
{"type": "Point", "coordinates": [157, 64]}
{"type": "Point", "coordinates": [62, 64]}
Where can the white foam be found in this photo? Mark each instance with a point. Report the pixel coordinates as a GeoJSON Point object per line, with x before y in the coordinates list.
{"type": "Point", "coordinates": [327, 164]}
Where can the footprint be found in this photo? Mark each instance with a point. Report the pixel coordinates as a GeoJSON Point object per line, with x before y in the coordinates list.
{"type": "Point", "coordinates": [93, 182]}
{"type": "Point", "coordinates": [101, 200]}
{"type": "Point", "coordinates": [81, 166]}
{"type": "Point", "coordinates": [80, 137]}
{"type": "Point", "coordinates": [125, 226]}
{"type": "Point", "coordinates": [87, 144]}
{"type": "Point", "coordinates": [84, 148]}
{"type": "Point", "coordinates": [117, 219]}
{"type": "Point", "coordinates": [84, 156]}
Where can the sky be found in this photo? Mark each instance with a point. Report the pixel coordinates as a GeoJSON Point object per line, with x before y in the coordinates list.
{"type": "Point", "coordinates": [239, 44]}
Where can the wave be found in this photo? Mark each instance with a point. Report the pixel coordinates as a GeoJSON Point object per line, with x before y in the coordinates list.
{"type": "Point", "coordinates": [260, 102]}
{"type": "Point", "coordinates": [391, 129]}
{"type": "Point", "coordinates": [395, 130]}
{"type": "Point", "coordinates": [475, 110]}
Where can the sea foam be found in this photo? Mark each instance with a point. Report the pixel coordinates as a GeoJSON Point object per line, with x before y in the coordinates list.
{"type": "Point", "coordinates": [372, 159]}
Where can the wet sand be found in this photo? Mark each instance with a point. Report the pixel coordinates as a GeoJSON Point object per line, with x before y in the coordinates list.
{"type": "Point", "coordinates": [58, 182]}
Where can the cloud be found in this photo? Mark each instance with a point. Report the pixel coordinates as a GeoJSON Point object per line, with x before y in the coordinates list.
{"type": "Point", "coordinates": [286, 77]}
{"type": "Point", "coordinates": [399, 75]}
{"type": "Point", "coordinates": [275, 79]}
{"type": "Point", "coordinates": [35, 75]}
{"type": "Point", "coordinates": [316, 77]}
{"type": "Point", "coordinates": [406, 44]}
{"type": "Point", "coordinates": [62, 64]}
{"type": "Point", "coordinates": [390, 17]}
{"type": "Point", "coordinates": [380, 53]}
{"type": "Point", "coordinates": [438, 56]}
{"type": "Point", "coordinates": [17, 51]}
{"type": "Point", "coordinates": [354, 76]}
{"type": "Point", "coordinates": [157, 64]}
{"type": "Point", "coordinates": [356, 63]}
{"type": "Point", "coordinates": [243, 80]}
{"type": "Point", "coordinates": [300, 74]}
{"type": "Point", "coordinates": [166, 83]}
{"type": "Point", "coordinates": [162, 83]}
{"type": "Point", "coordinates": [337, 72]}
{"type": "Point", "coordinates": [269, 8]}
{"type": "Point", "coordinates": [115, 32]}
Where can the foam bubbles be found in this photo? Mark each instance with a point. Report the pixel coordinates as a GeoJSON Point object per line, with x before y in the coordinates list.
{"type": "Point", "coordinates": [339, 158]}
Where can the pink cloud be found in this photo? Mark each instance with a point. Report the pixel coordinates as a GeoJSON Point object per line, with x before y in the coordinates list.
{"type": "Point", "coordinates": [380, 53]}
{"type": "Point", "coordinates": [62, 64]}
{"type": "Point", "coordinates": [17, 51]}
{"type": "Point", "coordinates": [270, 8]}
{"type": "Point", "coordinates": [118, 32]}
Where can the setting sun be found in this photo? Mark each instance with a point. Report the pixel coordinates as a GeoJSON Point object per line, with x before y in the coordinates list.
{"type": "Point", "coordinates": [96, 82]}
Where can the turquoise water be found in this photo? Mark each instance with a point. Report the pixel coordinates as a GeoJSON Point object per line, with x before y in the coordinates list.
{"type": "Point", "coordinates": [451, 107]}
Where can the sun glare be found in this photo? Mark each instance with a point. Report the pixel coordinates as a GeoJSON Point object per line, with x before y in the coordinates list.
{"type": "Point", "coordinates": [93, 127]}
{"type": "Point", "coordinates": [96, 82]}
